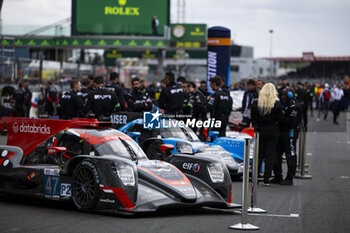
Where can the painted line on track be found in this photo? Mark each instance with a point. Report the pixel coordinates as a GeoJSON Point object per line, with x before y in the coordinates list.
{"type": "Point", "coordinates": [277, 215]}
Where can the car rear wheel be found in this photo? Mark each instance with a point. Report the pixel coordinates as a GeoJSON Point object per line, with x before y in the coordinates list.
{"type": "Point", "coordinates": [85, 186]}
{"type": "Point", "coordinates": [153, 151]}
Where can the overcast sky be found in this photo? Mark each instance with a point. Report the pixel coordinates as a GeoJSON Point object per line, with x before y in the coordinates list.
{"type": "Point", "coordinates": [321, 26]}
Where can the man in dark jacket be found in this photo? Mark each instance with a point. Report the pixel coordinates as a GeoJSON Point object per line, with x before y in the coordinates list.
{"type": "Point", "coordinates": [302, 98]}
{"type": "Point", "coordinates": [28, 97]}
{"type": "Point", "coordinates": [219, 104]}
{"type": "Point", "coordinates": [288, 135]}
{"type": "Point", "coordinates": [50, 99]}
{"type": "Point", "coordinates": [114, 86]}
{"type": "Point", "coordinates": [171, 98]}
{"type": "Point", "coordinates": [19, 97]}
{"type": "Point", "coordinates": [249, 95]}
{"type": "Point", "coordinates": [198, 105]}
{"type": "Point", "coordinates": [103, 102]}
{"type": "Point", "coordinates": [71, 104]}
{"type": "Point", "coordinates": [138, 101]}
{"type": "Point", "coordinates": [86, 89]}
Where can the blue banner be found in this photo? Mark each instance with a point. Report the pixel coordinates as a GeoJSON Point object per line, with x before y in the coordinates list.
{"type": "Point", "coordinates": [218, 62]}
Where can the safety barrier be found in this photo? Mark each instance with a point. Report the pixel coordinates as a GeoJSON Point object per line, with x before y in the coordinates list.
{"type": "Point", "coordinates": [302, 157]}
{"type": "Point", "coordinates": [244, 225]}
{"type": "Point", "coordinates": [255, 172]}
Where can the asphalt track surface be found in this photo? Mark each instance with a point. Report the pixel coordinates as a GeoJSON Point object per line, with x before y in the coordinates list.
{"type": "Point", "coordinates": [321, 204]}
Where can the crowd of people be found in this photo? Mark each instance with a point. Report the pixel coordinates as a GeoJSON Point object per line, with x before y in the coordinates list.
{"type": "Point", "coordinates": [95, 97]}
{"type": "Point", "coordinates": [277, 114]}
{"type": "Point", "coordinates": [280, 114]}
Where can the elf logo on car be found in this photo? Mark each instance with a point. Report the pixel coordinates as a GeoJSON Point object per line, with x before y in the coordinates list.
{"type": "Point", "coordinates": [191, 166]}
{"type": "Point", "coordinates": [27, 128]}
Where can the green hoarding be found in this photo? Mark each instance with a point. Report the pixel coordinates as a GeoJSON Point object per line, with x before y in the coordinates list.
{"type": "Point", "coordinates": [118, 17]}
{"type": "Point", "coordinates": [85, 42]}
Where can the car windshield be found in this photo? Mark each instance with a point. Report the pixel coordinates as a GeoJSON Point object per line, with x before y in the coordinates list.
{"type": "Point", "coordinates": [183, 133]}
{"type": "Point", "coordinates": [123, 147]}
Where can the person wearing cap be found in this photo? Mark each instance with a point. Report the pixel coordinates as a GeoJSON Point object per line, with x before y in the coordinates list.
{"type": "Point", "coordinates": [172, 97]}
{"type": "Point", "coordinates": [325, 98]}
{"type": "Point", "coordinates": [288, 135]}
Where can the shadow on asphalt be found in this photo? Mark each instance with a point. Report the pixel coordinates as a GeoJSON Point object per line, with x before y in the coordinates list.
{"type": "Point", "coordinates": [69, 206]}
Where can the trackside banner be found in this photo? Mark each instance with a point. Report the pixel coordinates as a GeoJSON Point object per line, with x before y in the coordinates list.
{"type": "Point", "coordinates": [218, 62]}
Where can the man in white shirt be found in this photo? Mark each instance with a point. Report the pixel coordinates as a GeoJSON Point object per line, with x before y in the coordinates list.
{"type": "Point", "coordinates": [336, 95]}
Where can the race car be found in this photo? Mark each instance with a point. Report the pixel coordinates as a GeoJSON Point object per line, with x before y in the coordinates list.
{"type": "Point", "coordinates": [102, 169]}
{"type": "Point", "coordinates": [184, 140]}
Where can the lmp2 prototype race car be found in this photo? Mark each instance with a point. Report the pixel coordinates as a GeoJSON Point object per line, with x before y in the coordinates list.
{"type": "Point", "coordinates": [102, 169]}
{"type": "Point", "coordinates": [184, 140]}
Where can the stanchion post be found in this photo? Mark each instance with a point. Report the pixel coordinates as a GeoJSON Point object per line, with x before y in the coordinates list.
{"type": "Point", "coordinates": [303, 158]}
{"type": "Point", "coordinates": [244, 225]}
{"type": "Point", "coordinates": [300, 149]}
{"type": "Point", "coordinates": [255, 172]}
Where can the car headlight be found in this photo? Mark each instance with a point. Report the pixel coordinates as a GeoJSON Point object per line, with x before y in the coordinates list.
{"type": "Point", "coordinates": [125, 173]}
{"type": "Point", "coordinates": [216, 172]}
{"type": "Point", "coordinates": [184, 147]}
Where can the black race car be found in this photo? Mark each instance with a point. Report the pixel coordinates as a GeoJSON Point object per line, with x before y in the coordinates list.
{"type": "Point", "coordinates": [100, 168]}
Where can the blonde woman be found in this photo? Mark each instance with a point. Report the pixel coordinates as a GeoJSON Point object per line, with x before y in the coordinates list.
{"type": "Point", "coordinates": [266, 112]}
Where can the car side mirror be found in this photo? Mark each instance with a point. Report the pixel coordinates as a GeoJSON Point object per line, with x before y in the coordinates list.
{"type": "Point", "coordinates": [135, 136]}
{"type": "Point", "coordinates": [213, 135]}
{"type": "Point", "coordinates": [56, 149]}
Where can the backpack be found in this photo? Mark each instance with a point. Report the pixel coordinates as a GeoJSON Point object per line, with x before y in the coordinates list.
{"type": "Point", "coordinates": [326, 95]}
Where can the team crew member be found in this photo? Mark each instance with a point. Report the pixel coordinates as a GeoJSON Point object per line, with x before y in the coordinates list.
{"type": "Point", "coordinates": [50, 99]}
{"type": "Point", "coordinates": [301, 96]}
{"type": "Point", "coordinates": [249, 95]}
{"type": "Point", "coordinates": [337, 94]}
{"type": "Point", "coordinates": [71, 103]}
{"type": "Point", "coordinates": [19, 97]}
{"type": "Point", "coordinates": [188, 101]}
{"type": "Point", "coordinates": [266, 112]}
{"type": "Point", "coordinates": [203, 89]}
{"type": "Point", "coordinates": [172, 97]}
{"type": "Point", "coordinates": [288, 136]}
{"type": "Point", "coordinates": [137, 100]}
{"type": "Point", "coordinates": [86, 89]}
{"type": "Point", "coordinates": [28, 97]}
{"type": "Point", "coordinates": [219, 104]}
{"type": "Point", "coordinates": [114, 86]}
{"type": "Point", "coordinates": [199, 108]}
{"type": "Point", "coordinates": [103, 102]}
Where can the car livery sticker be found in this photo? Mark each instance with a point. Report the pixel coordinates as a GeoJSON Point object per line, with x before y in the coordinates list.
{"type": "Point", "coordinates": [66, 190]}
{"type": "Point", "coordinates": [191, 166]}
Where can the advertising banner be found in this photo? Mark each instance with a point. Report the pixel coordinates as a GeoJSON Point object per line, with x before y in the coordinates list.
{"type": "Point", "coordinates": [218, 63]}
{"type": "Point", "coordinates": [119, 17]}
